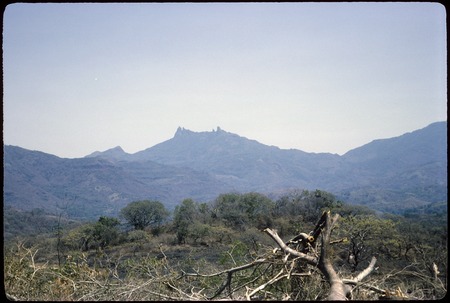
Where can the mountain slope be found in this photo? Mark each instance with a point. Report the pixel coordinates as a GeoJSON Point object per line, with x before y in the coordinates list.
{"type": "Point", "coordinates": [394, 169]}
{"type": "Point", "coordinates": [79, 187]}
{"type": "Point", "coordinates": [418, 147]}
{"type": "Point", "coordinates": [94, 186]}
{"type": "Point", "coordinates": [246, 164]}
{"type": "Point", "coordinates": [389, 174]}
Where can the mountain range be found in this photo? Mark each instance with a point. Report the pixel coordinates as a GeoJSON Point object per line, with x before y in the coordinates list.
{"type": "Point", "coordinates": [389, 175]}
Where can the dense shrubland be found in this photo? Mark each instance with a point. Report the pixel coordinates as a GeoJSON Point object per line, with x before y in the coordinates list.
{"type": "Point", "coordinates": [228, 249]}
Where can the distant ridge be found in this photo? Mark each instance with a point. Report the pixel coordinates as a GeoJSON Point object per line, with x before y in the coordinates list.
{"type": "Point", "coordinates": [113, 153]}
{"type": "Point", "coordinates": [388, 175]}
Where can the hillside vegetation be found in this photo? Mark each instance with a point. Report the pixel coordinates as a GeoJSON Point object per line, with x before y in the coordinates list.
{"type": "Point", "coordinates": [389, 175]}
{"type": "Point", "coordinates": [227, 249]}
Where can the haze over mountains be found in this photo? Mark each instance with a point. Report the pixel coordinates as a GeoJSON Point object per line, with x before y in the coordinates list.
{"type": "Point", "coordinates": [388, 174]}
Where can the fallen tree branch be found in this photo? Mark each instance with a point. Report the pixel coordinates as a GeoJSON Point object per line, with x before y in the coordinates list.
{"type": "Point", "coordinates": [310, 253]}
{"type": "Point", "coordinates": [340, 289]}
{"type": "Point", "coordinates": [366, 271]}
{"type": "Point", "coordinates": [309, 259]}
{"type": "Point", "coordinates": [229, 272]}
{"type": "Point", "coordinates": [369, 287]}
{"type": "Point", "coordinates": [261, 287]}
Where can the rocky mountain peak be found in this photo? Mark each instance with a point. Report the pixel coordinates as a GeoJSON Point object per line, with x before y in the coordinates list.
{"type": "Point", "coordinates": [181, 131]}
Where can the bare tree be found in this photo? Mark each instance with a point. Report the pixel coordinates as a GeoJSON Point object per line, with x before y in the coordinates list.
{"type": "Point", "coordinates": [340, 289]}
{"type": "Point", "coordinates": [303, 256]}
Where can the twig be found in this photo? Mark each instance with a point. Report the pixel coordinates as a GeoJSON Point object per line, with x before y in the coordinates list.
{"type": "Point", "coordinates": [230, 272]}
{"type": "Point", "coordinates": [271, 281]}
{"type": "Point", "coordinates": [370, 287]}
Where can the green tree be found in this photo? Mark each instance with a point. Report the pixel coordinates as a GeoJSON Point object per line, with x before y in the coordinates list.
{"type": "Point", "coordinates": [226, 208]}
{"type": "Point", "coordinates": [106, 231]}
{"type": "Point", "coordinates": [258, 209]}
{"type": "Point", "coordinates": [142, 214]}
{"type": "Point", "coordinates": [80, 238]}
{"type": "Point", "coordinates": [184, 216]}
{"type": "Point", "coordinates": [93, 235]}
{"type": "Point", "coordinates": [367, 236]}
{"type": "Point", "coordinates": [306, 205]}
{"type": "Point", "coordinates": [244, 210]}
{"type": "Point", "coordinates": [199, 231]}
{"type": "Point", "coordinates": [204, 213]}
{"type": "Point", "coordinates": [109, 221]}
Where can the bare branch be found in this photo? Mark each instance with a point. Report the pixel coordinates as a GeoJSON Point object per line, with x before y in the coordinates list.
{"type": "Point", "coordinates": [273, 234]}
{"type": "Point", "coordinates": [261, 287]}
{"type": "Point", "coordinates": [366, 271]}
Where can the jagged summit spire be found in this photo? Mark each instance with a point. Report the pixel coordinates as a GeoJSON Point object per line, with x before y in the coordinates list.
{"type": "Point", "coordinates": [183, 131]}
{"type": "Point", "coordinates": [179, 131]}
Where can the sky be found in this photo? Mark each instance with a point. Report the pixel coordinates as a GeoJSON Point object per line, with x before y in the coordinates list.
{"type": "Point", "coordinates": [319, 77]}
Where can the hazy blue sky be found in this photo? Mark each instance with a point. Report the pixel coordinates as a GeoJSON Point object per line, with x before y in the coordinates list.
{"type": "Point", "coordinates": [320, 77]}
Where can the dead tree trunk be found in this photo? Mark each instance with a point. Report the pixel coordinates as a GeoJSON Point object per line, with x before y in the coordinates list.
{"type": "Point", "coordinates": [340, 289]}
{"type": "Point", "coordinates": [301, 256]}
